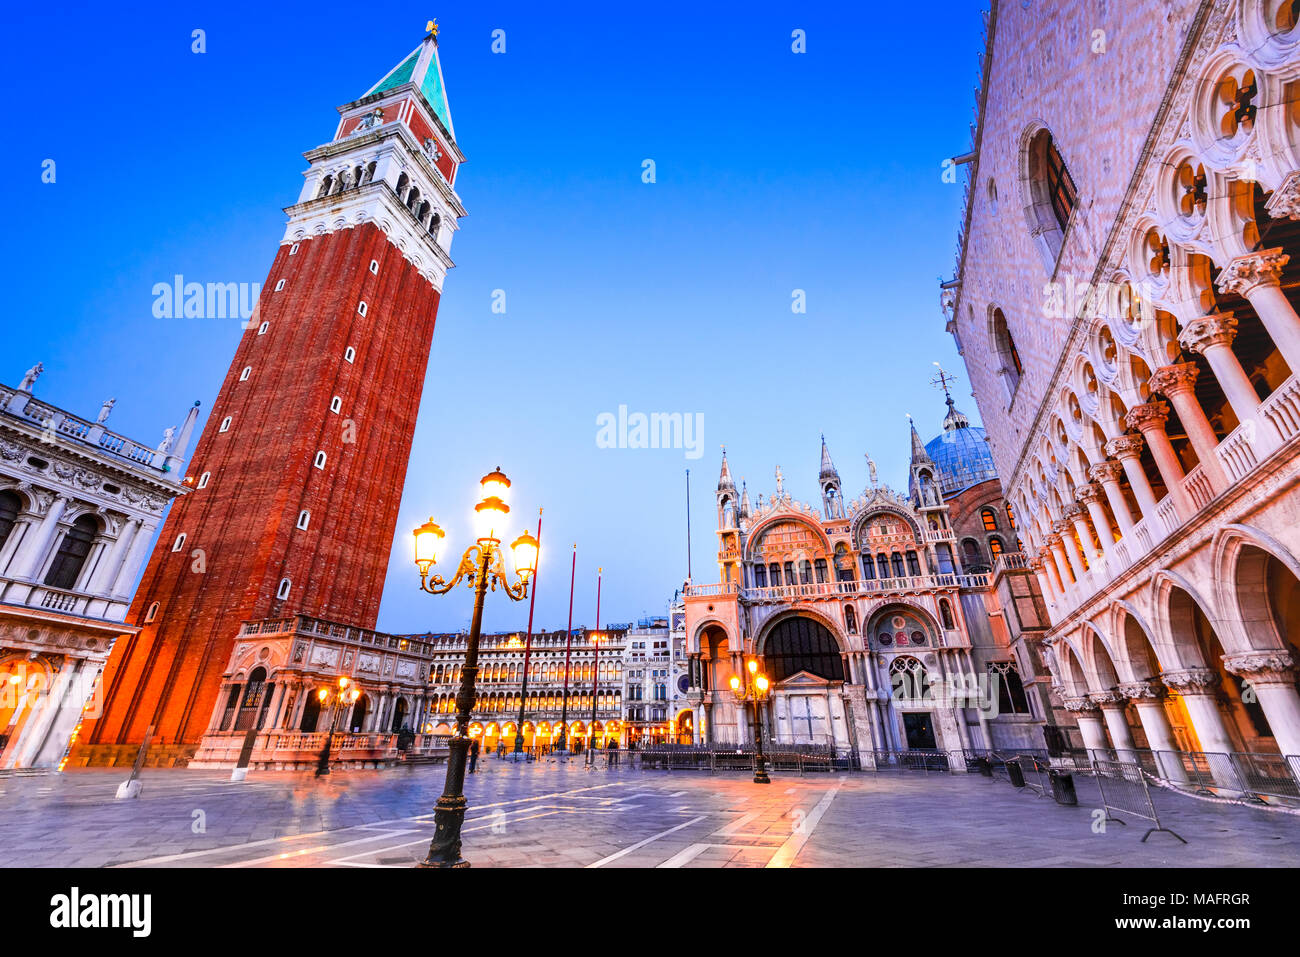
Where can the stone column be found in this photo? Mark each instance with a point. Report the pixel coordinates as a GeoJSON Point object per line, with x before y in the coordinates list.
{"type": "Point", "coordinates": [1271, 674]}
{"type": "Point", "coordinates": [34, 552]}
{"type": "Point", "coordinates": [1089, 496]}
{"type": "Point", "coordinates": [1039, 566]}
{"type": "Point", "coordinates": [107, 571]}
{"type": "Point", "coordinates": [1212, 337]}
{"type": "Point", "coordinates": [1114, 709]}
{"type": "Point", "coordinates": [1178, 383]}
{"type": "Point", "coordinates": [1258, 277]}
{"type": "Point", "coordinates": [1128, 449]}
{"type": "Point", "coordinates": [1196, 687]}
{"type": "Point", "coordinates": [1107, 473]}
{"type": "Point", "coordinates": [277, 696]}
{"type": "Point", "coordinates": [37, 730]}
{"type": "Point", "coordinates": [1147, 699]}
{"type": "Point", "coordinates": [135, 558]}
{"type": "Point", "coordinates": [1149, 419]}
{"type": "Point", "coordinates": [1057, 549]}
{"type": "Point", "coordinates": [1075, 514]}
{"type": "Point", "coordinates": [1087, 716]}
{"type": "Point", "coordinates": [1065, 534]}
{"type": "Point", "coordinates": [219, 710]}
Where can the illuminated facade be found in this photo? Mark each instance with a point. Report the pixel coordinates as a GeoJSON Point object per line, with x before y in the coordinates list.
{"type": "Point", "coordinates": [500, 686]}
{"type": "Point", "coordinates": [79, 507]}
{"type": "Point", "coordinates": [876, 634]}
{"type": "Point", "coordinates": [656, 681]}
{"type": "Point", "coordinates": [1125, 300]}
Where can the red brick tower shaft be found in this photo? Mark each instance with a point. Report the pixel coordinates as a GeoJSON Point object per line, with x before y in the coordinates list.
{"type": "Point", "coordinates": [298, 475]}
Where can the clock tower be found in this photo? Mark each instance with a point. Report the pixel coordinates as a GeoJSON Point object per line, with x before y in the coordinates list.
{"type": "Point", "coordinates": [296, 480]}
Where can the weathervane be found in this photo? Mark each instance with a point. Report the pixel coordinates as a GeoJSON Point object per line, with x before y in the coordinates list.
{"type": "Point", "coordinates": [431, 28]}
{"type": "Point", "coordinates": [941, 380]}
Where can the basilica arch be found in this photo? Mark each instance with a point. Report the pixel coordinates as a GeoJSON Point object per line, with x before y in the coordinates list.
{"type": "Point", "coordinates": [799, 641]}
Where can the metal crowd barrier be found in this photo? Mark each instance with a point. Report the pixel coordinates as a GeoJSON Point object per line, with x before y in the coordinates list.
{"type": "Point", "coordinates": [1124, 789]}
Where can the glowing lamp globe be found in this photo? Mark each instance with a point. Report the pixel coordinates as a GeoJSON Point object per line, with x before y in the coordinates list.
{"type": "Point", "coordinates": [428, 538]}
{"type": "Point", "coordinates": [524, 551]}
{"type": "Point", "coordinates": [490, 516]}
{"type": "Point", "coordinates": [735, 683]}
{"type": "Point", "coordinates": [495, 485]}
{"type": "Point", "coordinates": [761, 683]}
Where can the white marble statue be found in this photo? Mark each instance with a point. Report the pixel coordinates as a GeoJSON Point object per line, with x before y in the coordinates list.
{"type": "Point", "coordinates": [104, 411]}
{"type": "Point", "coordinates": [169, 437]}
{"type": "Point", "coordinates": [30, 378]}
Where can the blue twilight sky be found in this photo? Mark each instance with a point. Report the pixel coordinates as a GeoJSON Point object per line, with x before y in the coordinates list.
{"type": "Point", "coordinates": [775, 171]}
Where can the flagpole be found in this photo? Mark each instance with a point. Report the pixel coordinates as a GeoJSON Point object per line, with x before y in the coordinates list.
{"type": "Point", "coordinates": [568, 643]}
{"type": "Point", "coordinates": [528, 645]}
{"type": "Point", "coordinates": [688, 524]}
{"type": "Point", "coordinates": [595, 680]}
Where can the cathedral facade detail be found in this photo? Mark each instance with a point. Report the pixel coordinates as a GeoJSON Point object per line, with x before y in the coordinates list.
{"type": "Point", "coordinates": [878, 634]}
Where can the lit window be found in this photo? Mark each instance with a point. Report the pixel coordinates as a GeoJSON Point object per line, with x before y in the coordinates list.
{"type": "Point", "coordinates": [225, 424]}
{"type": "Point", "coordinates": [203, 479]}
{"type": "Point", "coordinates": [990, 520]}
{"type": "Point", "coordinates": [995, 546]}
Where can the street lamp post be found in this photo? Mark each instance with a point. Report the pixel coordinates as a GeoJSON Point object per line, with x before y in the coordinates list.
{"type": "Point", "coordinates": [595, 679]}
{"type": "Point", "coordinates": [482, 565]}
{"type": "Point", "coordinates": [754, 688]}
{"type": "Point", "coordinates": [343, 698]}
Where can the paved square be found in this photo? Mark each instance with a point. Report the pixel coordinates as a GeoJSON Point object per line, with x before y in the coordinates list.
{"type": "Point", "coordinates": [561, 815]}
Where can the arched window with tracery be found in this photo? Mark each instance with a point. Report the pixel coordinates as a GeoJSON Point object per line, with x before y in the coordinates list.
{"type": "Point", "coordinates": [945, 612]}
{"type": "Point", "coordinates": [1004, 346]}
{"type": "Point", "coordinates": [1011, 691]}
{"type": "Point", "coordinates": [990, 519]}
{"type": "Point", "coordinates": [802, 644]}
{"type": "Point", "coordinates": [11, 504]}
{"type": "Point", "coordinates": [908, 679]}
{"type": "Point", "coordinates": [1052, 195]}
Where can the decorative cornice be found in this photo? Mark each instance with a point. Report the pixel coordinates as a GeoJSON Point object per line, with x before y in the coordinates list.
{"type": "Point", "coordinates": [1245, 273]}
{"type": "Point", "coordinates": [1203, 333]}
{"type": "Point", "coordinates": [1262, 667]}
{"type": "Point", "coordinates": [1080, 705]}
{"type": "Point", "coordinates": [1108, 698]}
{"type": "Point", "coordinates": [1174, 379]}
{"type": "Point", "coordinates": [1107, 471]}
{"type": "Point", "coordinates": [1149, 416]}
{"type": "Point", "coordinates": [1285, 201]}
{"type": "Point", "coordinates": [1089, 492]}
{"type": "Point", "coordinates": [1124, 446]}
{"type": "Point", "coordinates": [1195, 680]}
{"type": "Point", "coordinates": [1140, 690]}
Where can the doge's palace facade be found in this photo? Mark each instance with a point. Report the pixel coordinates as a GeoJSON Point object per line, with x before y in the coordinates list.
{"type": "Point", "coordinates": [1125, 300]}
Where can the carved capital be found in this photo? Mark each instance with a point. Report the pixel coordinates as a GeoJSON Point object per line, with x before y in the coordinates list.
{"type": "Point", "coordinates": [1171, 380]}
{"type": "Point", "coordinates": [1089, 492]}
{"type": "Point", "coordinates": [1148, 416]}
{"type": "Point", "coordinates": [1106, 472]}
{"type": "Point", "coordinates": [1285, 201]}
{"type": "Point", "coordinates": [1140, 690]}
{"type": "Point", "coordinates": [1124, 446]}
{"type": "Point", "coordinates": [1110, 698]}
{"type": "Point", "coordinates": [1080, 706]}
{"type": "Point", "coordinates": [1245, 273]}
{"type": "Point", "coordinates": [1209, 331]}
{"type": "Point", "coordinates": [1191, 680]}
{"type": "Point", "coordinates": [1073, 511]}
{"type": "Point", "coordinates": [1262, 667]}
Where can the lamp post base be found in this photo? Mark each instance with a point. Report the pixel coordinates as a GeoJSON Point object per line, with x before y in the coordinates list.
{"type": "Point", "coordinates": [444, 849]}
{"type": "Point", "coordinates": [323, 763]}
{"type": "Point", "coordinates": [760, 777]}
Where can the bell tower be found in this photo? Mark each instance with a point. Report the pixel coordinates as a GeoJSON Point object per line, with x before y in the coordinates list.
{"type": "Point", "coordinates": [297, 477]}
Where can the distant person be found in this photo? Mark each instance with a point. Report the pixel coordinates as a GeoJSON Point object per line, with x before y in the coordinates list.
{"type": "Point", "coordinates": [473, 755]}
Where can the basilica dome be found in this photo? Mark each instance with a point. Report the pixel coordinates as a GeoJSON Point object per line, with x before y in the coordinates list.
{"type": "Point", "coordinates": [962, 454]}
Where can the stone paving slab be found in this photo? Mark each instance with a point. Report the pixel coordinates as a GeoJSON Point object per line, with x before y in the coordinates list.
{"type": "Point", "coordinates": [566, 816]}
